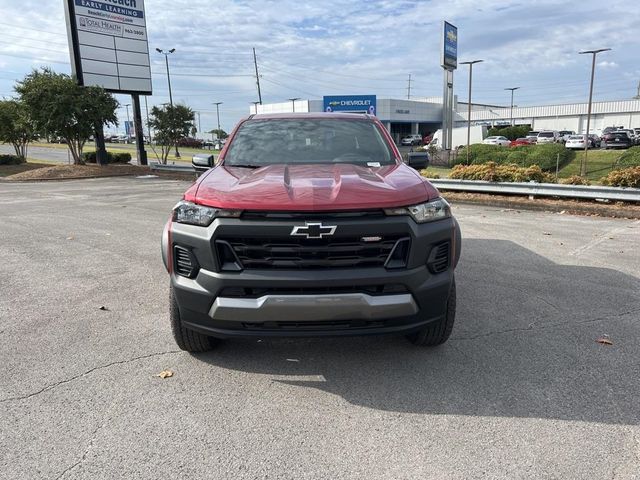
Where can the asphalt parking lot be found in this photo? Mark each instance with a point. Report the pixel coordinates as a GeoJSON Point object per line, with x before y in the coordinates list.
{"type": "Point", "coordinates": [521, 390]}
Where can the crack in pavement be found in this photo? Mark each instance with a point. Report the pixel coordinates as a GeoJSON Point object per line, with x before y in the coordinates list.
{"type": "Point", "coordinates": [84, 455]}
{"type": "Point", "coordinates": [532, 326]}
{"type": "Point", "coordinates": [100, 367]}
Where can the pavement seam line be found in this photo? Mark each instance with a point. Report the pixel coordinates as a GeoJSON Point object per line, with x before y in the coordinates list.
{"type": "Point", "coordinates": [532, 326]}
{"type": "Point", "coordinates": [100, 367]}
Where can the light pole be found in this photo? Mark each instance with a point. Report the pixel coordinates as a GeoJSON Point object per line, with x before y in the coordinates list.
{"type": "Point", "coordinates": [293, 103]}
{"type": "Point", "coordinates": [255, 107]}
{"type": "Point", "coordinates": [583, 164]}
{"type": "Point", "coordinates": [128, 128]}
{"type": "Point", "coordinates": [470, 63]}
{"type": "Point", "coordinates": [217, 104]}
{"type": "Point", "coordinates": [512, 90]}
{"type": "Point", "coordinates": [166, 54]}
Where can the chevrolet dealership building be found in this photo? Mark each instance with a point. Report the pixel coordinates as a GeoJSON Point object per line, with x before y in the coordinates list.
{"type": "Point", "coordinates": [424, 115]}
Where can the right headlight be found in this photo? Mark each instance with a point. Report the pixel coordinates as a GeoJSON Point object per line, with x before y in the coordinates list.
{"type": "Point", "coordinates": [424, 212]}
{"type": "Point", "coordinates": [194, 214]}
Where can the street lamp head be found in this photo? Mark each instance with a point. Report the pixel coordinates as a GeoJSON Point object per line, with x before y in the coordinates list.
{"type": "Point", "coordinates": [594, 51]}
{"type": "Point", "coordinates": [471, 62]}
{"type": "Point", "coordinates": [217, 103]}
{"type": "Point", "coordinates": [512, 88]}
{"type": "Point", "coordinates": [159, 50]}
{"type": "Point", "coordinates": [172, 50]}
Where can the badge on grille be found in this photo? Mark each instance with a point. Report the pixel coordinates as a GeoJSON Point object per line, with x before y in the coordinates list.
{"type": "Point", "coordinates": [313, 230]}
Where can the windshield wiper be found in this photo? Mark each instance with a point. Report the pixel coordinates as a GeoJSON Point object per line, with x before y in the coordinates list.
{"type": "Point", "coordinates": [241, 165]}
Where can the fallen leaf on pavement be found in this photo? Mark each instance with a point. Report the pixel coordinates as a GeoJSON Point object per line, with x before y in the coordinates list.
{"type": "Point", "coordinates": [546, 233]}
{"type": "Point", "coordinates": [604, 340]}
{"type": "Point", "coordinates": [70, 238]}
{"type": "Point", "coordinates": [165, 374]}
{"type": "Point", "coordinates": [104, 309]}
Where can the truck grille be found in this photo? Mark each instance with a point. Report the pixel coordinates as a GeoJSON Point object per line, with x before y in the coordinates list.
{"type": "Point", "coordinates": [297, 253]}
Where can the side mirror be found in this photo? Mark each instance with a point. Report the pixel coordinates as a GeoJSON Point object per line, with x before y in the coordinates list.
{"type": "Point", "coordinates": [201, 163]}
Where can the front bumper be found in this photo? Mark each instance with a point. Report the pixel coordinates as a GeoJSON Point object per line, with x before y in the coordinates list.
{"type": "Point", "coordinates": [322, 302]}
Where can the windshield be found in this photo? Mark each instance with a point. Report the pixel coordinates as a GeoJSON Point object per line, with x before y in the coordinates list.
{"type": "Point", "coordinates": [545, 134]}
{"type": "Point", "coordinates": [259, 143]}
{"type": "Point", "coordinates": [576, 137]}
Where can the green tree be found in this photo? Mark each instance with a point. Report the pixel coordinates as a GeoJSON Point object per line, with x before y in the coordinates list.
{"type": "Point", "coordinates": [220, 134]}
{"type": "Point", "coordinates": [16, 126]}
{"type": "Point", "coordinates": [59, 107]}
{"type": "Point", "coordinates": [171, 124]}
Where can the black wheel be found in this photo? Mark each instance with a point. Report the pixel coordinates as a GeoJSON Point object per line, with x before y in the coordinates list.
{"type": "Point", "coordinates": [186, 339]}
{"type": "Point", "coordinates": [437, 333]}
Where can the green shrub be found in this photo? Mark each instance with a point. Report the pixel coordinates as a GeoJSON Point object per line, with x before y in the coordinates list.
{"type": "Point", "coordinates": [626, 177]}
{"type": "Point", "coordinates": [119, 157]}
{"type": "Point", "coordinates": [11, 160]}
{"type": "Point", "coordinates": [480, 153]}
{"type": "Point", "coordinates": [510, 132]}
{"type": "Point", "coordinates": [546, 155]}
{"type": "Point", "coordinates": [575, 180]}
{"type": "Point", "coordinates": [492, 172]}
{"type": "Point", "coordinates": [630, 158]}
{"type": "Point", "coordinates": [429, 174]}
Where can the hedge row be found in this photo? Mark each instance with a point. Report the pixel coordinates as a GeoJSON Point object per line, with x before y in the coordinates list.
{"type": "Point", "coordinates": [545, 156]}
{"type": "Point", "coordinates": [626, 177]}
{"type": "Point", "coordinates": [120, 157]}
{"type": "Point", "coordinates": [493, 172]}
{"type": "Point", "coordinates": [11, 160]}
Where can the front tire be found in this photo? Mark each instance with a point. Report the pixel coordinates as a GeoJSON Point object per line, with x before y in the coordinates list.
{"type": "Point", "coordinates": [438, 332]}
{"type": "Point", "coordinates": [187, 340]}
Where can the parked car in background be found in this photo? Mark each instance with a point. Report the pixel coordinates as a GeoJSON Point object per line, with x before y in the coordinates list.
{"type": "Point", "coordinates": [596, 141]}
{"type": "Point", "coordinates": [565, 134]}
{"type": "Point", "coordinates": [576, 142]}
{"type": "Point", "coordinates": [631, 133]}
{"type": "Point", "coordinates": [532, 136]}
{"type": "Point", "coordinates": [548, 136]}
{"type": "Point", "coordinates": [617, 140]}
{"type": "Point", "coordinates": [414, 139]}
{"type": "Point", "coordinates": [518, 142]}
{"type": "Point", "coordinates": [606, 130]}
{"type": "Point", "coordinates": [497, 140]}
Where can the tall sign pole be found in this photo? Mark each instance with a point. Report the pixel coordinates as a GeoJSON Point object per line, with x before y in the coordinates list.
{"type": "Point", "coordinates": [449, 63]}
{"type": "Point", "coordinates": [109, 49]}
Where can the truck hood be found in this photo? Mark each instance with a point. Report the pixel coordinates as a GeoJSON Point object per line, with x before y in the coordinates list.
{"type": "Point", "coordinates": [311, 187]}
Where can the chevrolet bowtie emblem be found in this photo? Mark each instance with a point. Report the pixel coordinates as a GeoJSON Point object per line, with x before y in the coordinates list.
{"type": "Point", "coordinates": [313, 230]}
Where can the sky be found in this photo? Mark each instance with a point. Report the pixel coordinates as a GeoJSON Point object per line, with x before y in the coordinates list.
{"type": "Point", "coordinates": [308, 49]}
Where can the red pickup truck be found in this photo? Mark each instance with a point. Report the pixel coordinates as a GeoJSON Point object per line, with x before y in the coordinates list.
{"type": "Point", "coordinates": [311, 225]}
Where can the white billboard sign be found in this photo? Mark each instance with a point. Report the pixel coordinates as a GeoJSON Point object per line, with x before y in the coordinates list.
{"type": "Point", "coordinates": [108, 44]}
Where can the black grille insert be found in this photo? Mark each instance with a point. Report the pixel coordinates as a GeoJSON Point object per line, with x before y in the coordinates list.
{"type": "Point", "coordinates": [184, 262]}
{"type": "Point", "coordinates": [439, 258]}
{"type": "Point", "coordinates": [255, 292]}
{"type": "Point", "coordinates": [302, 253]}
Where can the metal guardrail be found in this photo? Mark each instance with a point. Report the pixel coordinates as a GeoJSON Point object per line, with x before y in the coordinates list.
{"type": "Point", "coordinates": [540, 189]}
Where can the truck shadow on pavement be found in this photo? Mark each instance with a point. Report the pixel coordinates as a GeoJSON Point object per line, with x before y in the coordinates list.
{"type": "Point", "coordinates": [524, 345]}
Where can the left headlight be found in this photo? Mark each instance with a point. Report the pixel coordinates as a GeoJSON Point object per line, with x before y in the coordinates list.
{"type": "Point", "coordinates": [424, 212]}
{"type": "Point", "coordinates": [194, 214]}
